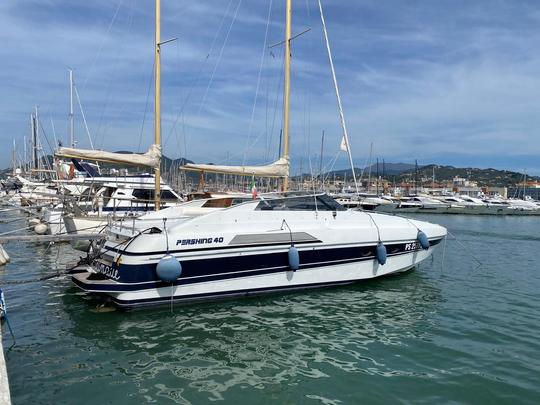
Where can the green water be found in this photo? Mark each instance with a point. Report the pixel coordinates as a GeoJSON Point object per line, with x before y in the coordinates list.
{"type": "Point", "coordinates": [449, 333]}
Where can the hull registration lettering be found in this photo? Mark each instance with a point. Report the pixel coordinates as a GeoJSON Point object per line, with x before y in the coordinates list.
{"type": "Point", "coordinates": [106, 270]}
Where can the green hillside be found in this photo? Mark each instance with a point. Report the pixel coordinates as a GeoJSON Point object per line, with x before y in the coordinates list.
{"type": "Point", "coordinates": [484, 177]}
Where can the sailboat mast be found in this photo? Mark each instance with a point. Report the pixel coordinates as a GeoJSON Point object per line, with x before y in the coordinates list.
{"type": "Point", "coordinates": [14, 158]}
{"type": "Point", "coordinates": [33, 141]}
{"type": "Point", "coordinates": [287, 85]}
{"type": "Point", "coordinates": [157, 104]}
{"type": "Point", "coordinates": [25, 157]}
{"type": "Point", "coordinates": [321, 156]}
{"type": "Point", "coordinates": [38, 144]}
{"type": "Point", "coordinates": [369, 171]}
{"type": "Point", "coordinates": [71, 124]}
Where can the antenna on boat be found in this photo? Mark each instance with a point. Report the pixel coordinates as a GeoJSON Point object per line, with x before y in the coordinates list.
{"type": "Point", "coordinates": [157, 105]}
{"type": "Point", "coordinates": [287, 86]}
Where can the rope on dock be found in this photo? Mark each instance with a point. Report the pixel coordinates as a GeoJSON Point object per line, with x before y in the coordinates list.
{"type": "Point", "coordinates": [21, 208]}
{"type": "Point", "coordinates": [52, 238]}
{"type": "Point", "coordinates": [33, 280]}
{"type": "Point", "coordinates": [17, 230]}
{"type": "Point", "coordinates": [48, 276]}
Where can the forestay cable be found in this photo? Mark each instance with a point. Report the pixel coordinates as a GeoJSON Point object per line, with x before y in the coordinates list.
{"type": "Point", "coordinates": [336, 88]}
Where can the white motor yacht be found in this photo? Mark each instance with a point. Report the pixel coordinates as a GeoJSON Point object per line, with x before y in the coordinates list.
{"type": "Point", "coordinates": [278, 244]}
{"type": "Point", "coordinates": [430, 205]}
{"type": "Point", "coordinates": [465, 205]}
{"type": "Point", "coordinates": [349, 200]}
{"type": "Point", "coordinates": [378, 203]}
{"type": "Point", "coordinates": [523, 207]}
{"type": "Point", "coordinates": [402, 205]}
{"type": "Point", "coordinates": [498, 206]}
{"type": "Point", "coordinates": [117, 200]}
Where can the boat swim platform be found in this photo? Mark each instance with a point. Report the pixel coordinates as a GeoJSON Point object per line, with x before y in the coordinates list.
{"type": "Point", "coordinates": [52, 238]}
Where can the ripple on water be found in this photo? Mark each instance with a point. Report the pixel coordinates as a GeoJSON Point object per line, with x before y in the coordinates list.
{"type": "Point", "coordinates": [454, 335]}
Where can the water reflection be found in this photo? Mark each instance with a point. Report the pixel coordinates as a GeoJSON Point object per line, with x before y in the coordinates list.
{"type": "Point", "coordinates": [398, 339]}
{"type": "Point", "coordinates": [258, 342]}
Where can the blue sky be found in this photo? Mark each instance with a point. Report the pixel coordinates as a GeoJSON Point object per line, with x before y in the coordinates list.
{"type": "Point", "coordinates": [447, 82]}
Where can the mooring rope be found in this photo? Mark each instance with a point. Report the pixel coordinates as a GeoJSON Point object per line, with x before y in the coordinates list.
{"type": "Point", "coordinates": [465, 247]}
{"type": "Point", "coordinates": [443, 254]}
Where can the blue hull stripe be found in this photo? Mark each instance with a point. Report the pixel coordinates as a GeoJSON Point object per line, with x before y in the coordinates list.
{"type": "Point", "coordinates": [141, 277]}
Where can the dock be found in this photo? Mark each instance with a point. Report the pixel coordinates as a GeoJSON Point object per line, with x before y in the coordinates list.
{"type": "Point", "coordinates": [52, 238]}
{"type": "Point", "coordinates": [5, 397]}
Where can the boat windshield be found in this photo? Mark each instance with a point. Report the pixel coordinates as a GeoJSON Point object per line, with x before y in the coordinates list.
{"type": "Point", "coordinates": [224, 202]}
{"type": "Point", "coordinates": [302, 203]}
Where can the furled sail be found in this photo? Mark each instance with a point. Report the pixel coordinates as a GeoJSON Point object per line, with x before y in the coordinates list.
{"type": "Point", "coordinates": [279, 168]}
{"type": "Point", "coordinates": [150, 158]}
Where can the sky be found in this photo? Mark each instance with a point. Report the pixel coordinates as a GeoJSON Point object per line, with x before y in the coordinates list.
{"type": "Point", "coordinates": [446, 82]}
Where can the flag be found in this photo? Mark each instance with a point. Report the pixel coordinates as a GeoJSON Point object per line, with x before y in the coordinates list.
{"type": "Point", "coordinates": [343, 145]}
{"type": "Point", "coordinates": [253, 189]}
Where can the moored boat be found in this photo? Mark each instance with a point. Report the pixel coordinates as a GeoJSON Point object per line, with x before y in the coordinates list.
{"type": "Point", "coordinates": [278, 244]}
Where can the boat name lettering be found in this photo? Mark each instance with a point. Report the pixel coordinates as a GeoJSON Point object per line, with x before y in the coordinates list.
{"type": "Point", "coordinates": [199, 241]}
{"type": "Point", "coordinates": [412, 246]}
{"type": "Point", "coordinates": [106, 270]}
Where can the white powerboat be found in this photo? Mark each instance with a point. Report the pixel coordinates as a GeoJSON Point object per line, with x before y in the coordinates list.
{"type": "Point", "coordinates": [118, 200]}
{"type": "Point", "coordinates": [250, 249]}
{"type": "Point", "coordinates": [380, 203]}
{"type": "Point", "coordinates": [430, 205]}
{"type": "Point", "coordinates": [523, 207]}
{"type": "Point", "coordinates": [464, 205]}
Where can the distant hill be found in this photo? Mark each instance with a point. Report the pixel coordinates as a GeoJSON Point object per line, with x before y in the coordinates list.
{"type": "Point", "coordinates": [404, 172]}
{"type": "Point", "coordinates": [398, 172]}
{"type": "Point", "coordinates": [388, 169]}
{"type": "Point", "coordinates": [484, 177]}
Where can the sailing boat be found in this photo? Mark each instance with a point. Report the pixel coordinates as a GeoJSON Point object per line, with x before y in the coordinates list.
{"type": "Point", "coordinates": [115, 197]}
{"type": "Point", "coordinates": [282, 242]}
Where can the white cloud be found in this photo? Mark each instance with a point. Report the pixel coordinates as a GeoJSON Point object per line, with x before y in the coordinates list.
{"type": "Point", "coordinates": [421, 80]}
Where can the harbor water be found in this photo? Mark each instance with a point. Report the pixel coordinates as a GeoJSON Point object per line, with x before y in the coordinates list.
{"type": "Point", "coordinates": [446, 332]}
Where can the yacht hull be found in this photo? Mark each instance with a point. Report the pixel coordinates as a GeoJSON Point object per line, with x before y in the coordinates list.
{"type": "Point", "coordinates": [338, 267]}
{"type": "Point", "coordinates": [84, 224]}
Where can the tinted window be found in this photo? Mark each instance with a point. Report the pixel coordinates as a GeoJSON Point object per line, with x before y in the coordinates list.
{"type": "Point", "coordinates": [308, 203]}
{"type": "Point", "coordinates": [145, 195]}
{"type": "Point", "coordinates": [148, 195]}
{"type": "Point", "coordinates": [167, 195]}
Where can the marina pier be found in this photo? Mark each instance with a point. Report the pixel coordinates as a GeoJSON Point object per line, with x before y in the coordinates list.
{"type": "Point", "coordinates": [5, 397]}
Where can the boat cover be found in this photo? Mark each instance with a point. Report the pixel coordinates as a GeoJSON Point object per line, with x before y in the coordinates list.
{"type": "Point", "coordinates": [150, 158]}
{"type": "Point", "coordinates": [279, 168]}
